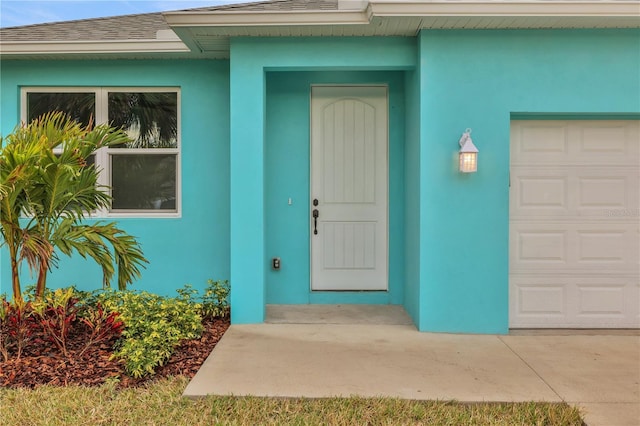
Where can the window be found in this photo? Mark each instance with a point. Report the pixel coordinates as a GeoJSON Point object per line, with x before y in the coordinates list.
{"type": "Point", "coordinates": [143, 174]}
{"type": "Point", "coordinates": [79, 106]}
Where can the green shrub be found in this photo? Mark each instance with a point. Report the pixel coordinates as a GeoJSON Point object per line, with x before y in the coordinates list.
{"type": "Point", "coordinates": [215, 301]}
{"type": "Point", "coordinates": [154, 326]}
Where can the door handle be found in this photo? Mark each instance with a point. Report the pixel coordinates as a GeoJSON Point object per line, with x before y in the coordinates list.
{"type": "Point", "coordinates": [316, 214]}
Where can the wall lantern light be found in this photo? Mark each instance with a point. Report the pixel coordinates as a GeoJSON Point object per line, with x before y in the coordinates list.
{"type": "Point", "coordinates": [468, 153]}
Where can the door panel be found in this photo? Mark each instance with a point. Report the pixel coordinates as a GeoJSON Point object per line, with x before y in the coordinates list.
{"type": "Point", "coordinates": [349, 179]}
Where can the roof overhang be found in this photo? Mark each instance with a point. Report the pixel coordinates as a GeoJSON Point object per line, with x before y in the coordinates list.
{"type": "Point", "coordinates": [201, 33]}
{"type": "Point", "coordinates": [209, 31]}
{"type": "Point", "coordinates": [93, 47]}
{"type": "Point", "coordinates": [601, 9]}
{"type": "Point", "coordinates": [551, 8]}
{"type": "Point", "coordinates": [262, 18]}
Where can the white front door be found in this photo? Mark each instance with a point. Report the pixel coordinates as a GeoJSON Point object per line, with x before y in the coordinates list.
{"type": "Point", "coordinates": [349, 188]}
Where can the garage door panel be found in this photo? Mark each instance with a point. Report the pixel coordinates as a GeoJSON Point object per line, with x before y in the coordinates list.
{"type": "Point", "coordinates": [600, 190]}
{"type": "Point", "coordinates": [572, 300]}
{"type": "Point", "coordinates": [575, 142]}
{"type": "Point", "coordinates": [598, 247]}
{"type": "Point", "coordinates": [597, 192]}
{"type": "Point", "coordinates": [604, 140]}
{"type": "Point", "coordinates": [602, 300]}
{"type": "Point", "coordinates": [574, 254]}
{"type": "Point", "coordinates": [570, 191]}
{"type": "Point", "coordinates": [543, 192]}
{"type": "Point", "coordinates": [532, 247]}
{"type": "Point", "coordinates": [574, 247]}
{"type": "Point", "coordinates": [538, 299]}
{"type": "Point", "coordinates": [537, 140]}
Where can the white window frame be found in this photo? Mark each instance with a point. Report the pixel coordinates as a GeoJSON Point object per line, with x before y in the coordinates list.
{"type": "Point", "coordinates": [103, 155]}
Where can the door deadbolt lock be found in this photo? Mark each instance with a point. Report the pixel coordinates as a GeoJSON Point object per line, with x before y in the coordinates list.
{"type": "Point", "coordinates": [315, 214]}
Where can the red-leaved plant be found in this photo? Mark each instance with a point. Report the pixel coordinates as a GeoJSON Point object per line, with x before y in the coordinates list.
{"type": "Point", "coordinates": [105, 326]}
{"type": "Point", "coordinates": [57, 314]}
{"type": "Point", "coordinates": [4, 329]}
{"type": "Point", "coordinates": [16, 328]}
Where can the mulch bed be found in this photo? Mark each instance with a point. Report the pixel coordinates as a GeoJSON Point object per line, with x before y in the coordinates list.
{"type": "Point", "coordinates": [42, 363]}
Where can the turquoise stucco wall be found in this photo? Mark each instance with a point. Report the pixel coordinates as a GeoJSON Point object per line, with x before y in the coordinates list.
{"type": "Point", "coordinates": [412, 202]}
{"type": "Point", "coordinates": [477, 79]}
{"type": "Point", "coordinates": [189, 249]}
{"type": "Point", "coordinates": [287, 176]}
{"type": "Point", "coordinates": [456, 229]}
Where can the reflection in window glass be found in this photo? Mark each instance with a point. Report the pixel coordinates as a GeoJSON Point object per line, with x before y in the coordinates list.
{"type": "Point", "coordinates": [143, 175]}
{"type": "Point", "coordinates": [81, 107]}
{"type": "Point", "coordinates": [149, 118]}
{"type": "Point", "coordinates": [141, 181]}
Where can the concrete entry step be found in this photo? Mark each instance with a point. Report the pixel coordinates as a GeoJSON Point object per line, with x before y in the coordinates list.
{"type": "Point", "coordinates": [338, 314]}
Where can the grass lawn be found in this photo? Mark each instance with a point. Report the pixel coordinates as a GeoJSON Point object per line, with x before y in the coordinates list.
{"type": "Point", "coordinates": [161, 403]}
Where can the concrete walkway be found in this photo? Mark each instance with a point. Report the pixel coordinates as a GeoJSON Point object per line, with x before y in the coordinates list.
{"type": "Point", "coordinates": [598, 372]}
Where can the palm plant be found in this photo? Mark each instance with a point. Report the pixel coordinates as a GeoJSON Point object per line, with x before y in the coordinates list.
{"type": "Point", "coordinates": [47, 188]}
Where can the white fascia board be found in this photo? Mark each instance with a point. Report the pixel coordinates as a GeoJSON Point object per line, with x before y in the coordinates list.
{"type": "Point", "coordinates": [551, 8]}
{"type": "Point", "coordinates": [265, 18]}
{"type": "Point", "coordinates": [96, 47]}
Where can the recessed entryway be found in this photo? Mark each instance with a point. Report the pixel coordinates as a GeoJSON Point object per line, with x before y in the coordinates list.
{"type": "Point", "coordinates": [288, 187]}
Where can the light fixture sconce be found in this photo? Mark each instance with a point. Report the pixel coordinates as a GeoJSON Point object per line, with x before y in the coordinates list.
{"type": "Point", "coordinates": [468, 153]}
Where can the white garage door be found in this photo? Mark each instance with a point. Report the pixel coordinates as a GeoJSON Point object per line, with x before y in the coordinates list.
{"type": "Point", "coordinates": [574, 224]}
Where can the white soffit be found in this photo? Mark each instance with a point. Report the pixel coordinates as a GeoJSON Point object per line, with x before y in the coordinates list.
{"type": "Point", "coordinates": [208, 32]}
{"type": "Point", "coordinates": [551, 8]}
{"type": "Point", "coordinates": [262, 18]}
{"type": "Point", "coordinates": [602, 13]}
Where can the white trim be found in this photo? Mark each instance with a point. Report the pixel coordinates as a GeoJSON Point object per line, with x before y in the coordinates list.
{"type": "Point", "coordinates": [352, 4]}
{"type": "Point", "coordinates": [551, 8]}
{"type": "Point", "coordinates": [103, 155]}
{"type": "Point", "coordinates": [262, 18]}
{"type": "Point", "coordinates": [407, 8]}
{"type": "Point", "coordinates": [114, 46]}
{"type": "Point", "coordinates": [102, 116]}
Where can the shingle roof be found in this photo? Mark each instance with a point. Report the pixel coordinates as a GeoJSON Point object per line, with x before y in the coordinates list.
{"type": "Point", "coordinates": [141, 26]}
{"type": "Point", "coordinates": [128, 27]}
{"type": "Point", "coordinates": [276, 5]}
